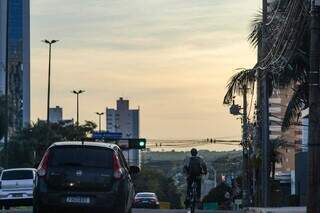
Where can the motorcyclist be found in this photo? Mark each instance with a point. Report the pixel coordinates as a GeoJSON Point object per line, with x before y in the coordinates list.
{"type": "Point", "coordinates": [194, 168]}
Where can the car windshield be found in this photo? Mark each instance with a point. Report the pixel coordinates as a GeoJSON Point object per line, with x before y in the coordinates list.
{"type": "Point", "coordinates": [17, 175]}
{"type": "Point", "coordinates": [146, 195]}
{"type": "Point", "coordinates": [81, 156]}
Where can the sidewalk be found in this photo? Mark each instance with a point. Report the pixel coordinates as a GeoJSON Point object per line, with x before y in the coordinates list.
{"type": "Point", "coordinates": [277, 210]}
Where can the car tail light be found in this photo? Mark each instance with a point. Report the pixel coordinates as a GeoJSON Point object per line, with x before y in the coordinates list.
{"type": "Point", "coordinates": [117, 171]}
{"type": "Point", "coordinates": [43, 166]}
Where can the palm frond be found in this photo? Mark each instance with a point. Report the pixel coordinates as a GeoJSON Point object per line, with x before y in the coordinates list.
{"type": "Point", "coordinates": [255, 35]}
{"type": "Point", "coordinates": [298, 101]}
{"type": "Point", "coordinates": [244, 78]}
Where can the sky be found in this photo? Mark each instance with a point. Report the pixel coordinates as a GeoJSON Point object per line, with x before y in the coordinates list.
{"type": "Point", "coordinates": [171, 58]}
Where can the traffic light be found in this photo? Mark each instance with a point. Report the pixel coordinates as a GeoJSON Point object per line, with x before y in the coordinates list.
{"type": "Point", "coordinates": [140, 143]}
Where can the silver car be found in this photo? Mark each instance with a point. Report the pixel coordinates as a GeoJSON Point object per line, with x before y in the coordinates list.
{"type": "Point", "coordinates": [17, 187]}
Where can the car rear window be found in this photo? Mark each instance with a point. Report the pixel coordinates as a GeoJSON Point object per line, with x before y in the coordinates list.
{"type": "Point", "coordinates": [81, 156]}
{"type": "Point", "coordinates": [17, 175]}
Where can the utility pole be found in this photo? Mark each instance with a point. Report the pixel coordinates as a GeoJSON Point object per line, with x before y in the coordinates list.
{"type": "Point", "coordinates": [99, 114]}
{"type": "Point", "coordinates": [235, 110]}
{"type": "Point", "coordinates": [77, 93]}
{"type": "Point", "coordinates": [314, 112]}
{"type": "Point", "coordinates": [263, 115]}
{"type": "Point", "coordinates": [6, 136]}
{"type": "Point", "coordinates": [49, 77]}
{"type": "Point", "coordinates": [245, 144]}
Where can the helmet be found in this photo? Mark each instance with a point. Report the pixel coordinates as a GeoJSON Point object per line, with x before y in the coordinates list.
{"type": "Point", "coordinates": [194, 152]}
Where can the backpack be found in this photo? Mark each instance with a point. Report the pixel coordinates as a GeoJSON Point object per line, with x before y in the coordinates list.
{"type": "Point", "coordinates": [195, 168]}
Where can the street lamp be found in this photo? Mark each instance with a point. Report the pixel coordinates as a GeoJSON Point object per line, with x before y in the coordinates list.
{"type": "Point", "coordinates": [49, 75]}
{"type": "Point", "coordinates": [99, 114]}
{"type": "Point", "coordinates": [77, 93]}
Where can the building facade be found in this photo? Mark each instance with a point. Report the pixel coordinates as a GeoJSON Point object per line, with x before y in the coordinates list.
{"type": "Point", "coordinates": [123, 119]}
{"type": "Point", "coordinates": [15, 60]}
{"type": "Point", "coordinates": [126, 121]}
{"type": "Point", "coordinates": [56, 114]}
{"type": "Point", "coordinates": [278, 105]}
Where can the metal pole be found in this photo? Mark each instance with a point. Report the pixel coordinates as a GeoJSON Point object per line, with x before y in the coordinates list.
{"type": "Point", "coordinates": [77, 93]}
{"type": "Point", "coordinates": [314, 112]}
{"type": "Point", "coordinates": [99, 114]}
{"type": "Point", "coordinates": [100, 123]}
{"type": "Point", "coordinates": [6, 136]}
{"type": "Point", "coordinates": [263, 116]}
{"type": "Point", "coordinates": [49, 84]}
{"type": "Point", "coordinates": [49, 77]}
{"type": "Point", "coordinates": [245, 178]}
{"type": "Point", "coordinates": [77, 109]}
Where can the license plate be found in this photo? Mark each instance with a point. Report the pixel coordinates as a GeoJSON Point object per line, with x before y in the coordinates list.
{"type": "Point", "coordinates": [17, 195]}
{"type": "Point", "coordinates": [79, 200]}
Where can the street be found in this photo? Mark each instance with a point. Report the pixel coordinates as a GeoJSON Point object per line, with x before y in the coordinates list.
{"type": "Point", "coordinates": [143, 211]}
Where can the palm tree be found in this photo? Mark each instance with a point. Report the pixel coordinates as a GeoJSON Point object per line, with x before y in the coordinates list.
{"type": "Point", "coordinates": [243, 78]}
{"type": "Point", "coordinates": [293, 73]}
{"type": "Point", "coordinates": [275, 154]}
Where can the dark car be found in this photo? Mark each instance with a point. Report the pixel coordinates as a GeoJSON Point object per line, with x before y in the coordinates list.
{"type": "Point", "coordinates": [147, 200]}
{"type": "Point", "coordinates": [84, 175]}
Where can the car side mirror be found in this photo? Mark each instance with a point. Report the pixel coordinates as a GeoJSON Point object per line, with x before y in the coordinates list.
{"type": "Point", "coordinates": [134, 170]}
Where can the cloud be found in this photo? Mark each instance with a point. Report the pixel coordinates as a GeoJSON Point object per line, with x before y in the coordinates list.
{"type": "Point", "coordinates": [171, 57]}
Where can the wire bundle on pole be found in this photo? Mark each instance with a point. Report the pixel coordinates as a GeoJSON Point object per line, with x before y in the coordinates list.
{"type": "Point", "coordinates": [286, 28]}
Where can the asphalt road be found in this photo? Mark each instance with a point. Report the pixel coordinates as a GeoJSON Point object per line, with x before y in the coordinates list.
{"type": "Point", "coordinates": [140, 211]}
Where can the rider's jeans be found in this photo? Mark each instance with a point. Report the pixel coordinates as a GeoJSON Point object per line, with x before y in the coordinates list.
{"type": "Point", "coordinates": [190, 180]}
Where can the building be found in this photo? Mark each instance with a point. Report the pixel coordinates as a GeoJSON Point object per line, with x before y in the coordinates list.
{"type": "Point", "coordinates": [301, 170]}
{"type": "Point", "coordinates": [15, 59]}
{"type": "Point", "coordinates": [123, 119]}
{"type": "Point", "coordinates": [55, 114]}
{"type": "Point", "coordinates": [277, 107]}
{"type": "Point", "coordinates": [126, 121]}
{"type": "Point", "coordinates": [305, 130]}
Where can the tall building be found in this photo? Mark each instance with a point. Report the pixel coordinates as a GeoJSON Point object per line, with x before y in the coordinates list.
{"type": "Point", "coordinates": [278, 105]}
{"type": "Point", "coordinates": [123, 119]}
{"type": "Point", "coordinates": [56, 114]}
{"type": "Point", "coordinates": [126, 121]}
{"type": "Point", "coordinates": [15, 59]}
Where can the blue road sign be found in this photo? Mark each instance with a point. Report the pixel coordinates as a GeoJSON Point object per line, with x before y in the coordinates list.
{"type": "Point", "coordinates": [104, 135]}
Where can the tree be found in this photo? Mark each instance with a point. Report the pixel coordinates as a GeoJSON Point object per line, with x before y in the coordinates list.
{"type": "Point", "coordinates": [150, 180]}
{"type": "Point", "coordinates": [217, 195]}
{"type": "Point", "coordinates": [288, 70]}
{"type": "Point", "coordinates": [28, 145]}
{"type": "Point", "coordinates": [276, 155]}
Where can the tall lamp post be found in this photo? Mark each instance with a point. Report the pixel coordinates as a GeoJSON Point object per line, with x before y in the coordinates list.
{"type": "Point", "coordinates": [77, 93]}
{"type": "Point", "coordinates": [99, 114]}
{"type": "Point", "coordinates": [49, 75]}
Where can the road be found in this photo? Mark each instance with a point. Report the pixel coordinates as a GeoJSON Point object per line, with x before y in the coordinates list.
{"type": "Point", "coordinates": [143, 211]}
